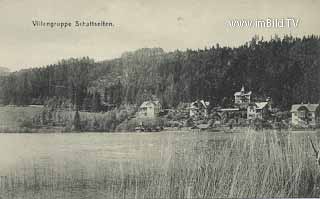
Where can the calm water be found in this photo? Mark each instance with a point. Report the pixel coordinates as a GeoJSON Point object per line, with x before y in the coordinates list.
{"type": "Point", "coordinates": [18, 150]}
{"type": "Point", "coordinates": [30, 157]}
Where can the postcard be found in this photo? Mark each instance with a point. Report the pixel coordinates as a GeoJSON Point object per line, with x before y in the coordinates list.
{"type": "Point", "coordinates": [170, 99]}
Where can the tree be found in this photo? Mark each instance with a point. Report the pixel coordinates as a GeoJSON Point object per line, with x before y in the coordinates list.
{"type": "Point", "coordinates": [96, 102]}
{"type": "Point", "coordinates": [77, 122]}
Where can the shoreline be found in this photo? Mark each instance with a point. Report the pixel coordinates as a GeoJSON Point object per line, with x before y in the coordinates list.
{"type": "Point", "coordinates": [60, 130]}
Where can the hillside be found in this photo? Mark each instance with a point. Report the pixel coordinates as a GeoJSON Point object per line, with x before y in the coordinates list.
{"type": "Point", "coordinates": [15, 118]}
{"type": "Point", "coordinates": [285, 69]}
{"type": "Point", "coordinates": [4, 71]}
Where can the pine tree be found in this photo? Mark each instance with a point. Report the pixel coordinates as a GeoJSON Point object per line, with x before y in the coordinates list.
{"type": "Point", "coordinates": [77, 122]}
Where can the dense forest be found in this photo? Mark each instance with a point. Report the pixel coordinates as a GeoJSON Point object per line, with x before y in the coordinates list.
{"type": "Point", "coordinates": [286, 69]}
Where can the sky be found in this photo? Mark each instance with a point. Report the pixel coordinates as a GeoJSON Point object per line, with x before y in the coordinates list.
{"type": "Point", "coordinates": [169, 24]}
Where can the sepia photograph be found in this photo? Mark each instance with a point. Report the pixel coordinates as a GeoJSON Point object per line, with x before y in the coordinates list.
{"type": "Point", "coordinates": [159, 99]}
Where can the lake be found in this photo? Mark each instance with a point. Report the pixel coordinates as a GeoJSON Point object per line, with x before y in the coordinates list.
{"type": "Point", "coordinates": [30, 163]}
{"type": "Point", "coordinates": [158, 165]}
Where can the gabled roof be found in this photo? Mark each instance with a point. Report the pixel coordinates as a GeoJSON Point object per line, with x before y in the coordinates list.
{"type": "Point", "coordinates": [149, 103]}
{"type": "Point", "coordinates": [201, 102]}
{"type": "Point", "coordinates": [310, 107]}
{"type": "Point", "coordinates": [261, 105]}
{"type": "Point", "coordinates": [240, 93]}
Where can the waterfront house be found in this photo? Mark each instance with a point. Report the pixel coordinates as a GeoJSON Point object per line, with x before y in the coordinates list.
{"type": "Point", "coordinates": [258, 110]}
{"type": "Point", "coordinates": [149, 109]}
{"type": "Point", "coordinates": [199, 109]}
{"type": "Point", "coordinates": [305, 115]}
{"type": "Point", "coordinates": [242, 98]}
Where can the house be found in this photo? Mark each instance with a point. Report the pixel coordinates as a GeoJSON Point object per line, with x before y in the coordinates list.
{"type": "Point", "coordinates": [242, 98]}
{"type": "Point", "coordinates": [305, 115]}
{"type": "Point", "coordinates": [149, 109]}
{"type": "Point", "coordinates": [258, 110]}
{"type": "Point", "coordinates": [199, 109]}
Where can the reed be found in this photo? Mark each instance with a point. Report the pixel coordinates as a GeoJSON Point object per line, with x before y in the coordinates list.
{"type": "Point", "coordinates": [246, 165]}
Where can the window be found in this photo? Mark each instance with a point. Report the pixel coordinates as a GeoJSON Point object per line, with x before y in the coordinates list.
{"type": "Point", "coordinates": [302, 114]}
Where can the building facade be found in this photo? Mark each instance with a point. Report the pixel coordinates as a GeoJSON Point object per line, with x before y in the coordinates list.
{"type": "Point", "coordinates": [305, 115]}
{"type": "Point", "coordinates": [242, 98]}
{"type": "Point", "coordinates": [258, 110]}
{"type": "Point", "coordinates": [199, 109]}
{"type": "Point", "coordinates": [149, 109]}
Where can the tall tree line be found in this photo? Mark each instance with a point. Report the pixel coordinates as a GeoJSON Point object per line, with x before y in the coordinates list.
{"type": "Point", "coordinates": [286, 69]}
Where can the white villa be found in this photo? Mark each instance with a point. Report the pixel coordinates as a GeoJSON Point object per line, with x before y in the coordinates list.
{"type": "Point", "coordinates": [149, 109]}
{"type": "Point", "coordinates": [258, 110]}
{"type": "Point", "coordinates": [305, 115]}
{"type": "Point", "coordinates": [242, 98]}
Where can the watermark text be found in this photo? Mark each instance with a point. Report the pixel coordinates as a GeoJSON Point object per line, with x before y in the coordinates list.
{"type": "Point", "coordinates": [289, 22]}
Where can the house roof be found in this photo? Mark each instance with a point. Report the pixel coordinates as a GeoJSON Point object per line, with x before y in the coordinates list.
{"type": "Point", "coordinates": [241, 93]}
{"type": "Point", "coordinates": [310, 107]}
{"type": "Point", "coordinates": [202, 102]}
{"type": "Point", "coordinates": [261, 105]}
{"type": "Point", "coordinates": [149, 103]}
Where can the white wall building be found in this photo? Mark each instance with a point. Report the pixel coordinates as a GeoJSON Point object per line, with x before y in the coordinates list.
{"type": "Point", "coordinates": [241, 97]}
{"type": "Point", "coordinates": [305, 115]}
{"type": "Point", "coordinates": [149, 109]}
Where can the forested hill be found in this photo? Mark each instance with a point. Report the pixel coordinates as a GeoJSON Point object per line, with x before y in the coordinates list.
{"type": "Point", "coordinates": [4, 71]}
{"type": "Point", "coordinates": [285, 69]}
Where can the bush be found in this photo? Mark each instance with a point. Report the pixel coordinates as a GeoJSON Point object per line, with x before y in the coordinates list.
{"type": "Point", "coordinates": [85, 121]}
{"type": "Point", "coordinates": [149, 124]}
{"type": "Point", "coordinates": [26, 123]}
{"type": "Point", "coordinates": [189, 123]}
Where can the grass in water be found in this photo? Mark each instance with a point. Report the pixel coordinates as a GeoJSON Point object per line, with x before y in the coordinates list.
{"type": "Point", "coordinates": [245, 165]}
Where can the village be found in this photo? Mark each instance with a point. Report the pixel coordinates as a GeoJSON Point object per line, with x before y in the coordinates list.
{"type": "Point", "coordinates": [245, 112]}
